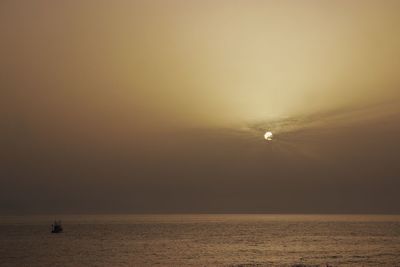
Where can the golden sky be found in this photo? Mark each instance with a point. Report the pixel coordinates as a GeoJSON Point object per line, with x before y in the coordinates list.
{"type": "Point", "coordinates": [170, 82]}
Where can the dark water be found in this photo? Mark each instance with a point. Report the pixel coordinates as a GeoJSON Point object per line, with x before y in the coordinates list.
{"type": "Point", "coordinates": [201, 240]}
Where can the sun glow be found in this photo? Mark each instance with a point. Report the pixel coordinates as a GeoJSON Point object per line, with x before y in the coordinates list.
{"type": "Point", "coordinates": [268, 136]}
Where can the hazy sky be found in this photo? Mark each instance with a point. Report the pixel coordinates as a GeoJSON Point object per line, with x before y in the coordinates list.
{"type": "Point", "coordinates": [161, 106]}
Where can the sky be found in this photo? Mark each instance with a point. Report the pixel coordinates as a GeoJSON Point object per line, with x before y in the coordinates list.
{"type": "Point", "coordinates": [161, 106]}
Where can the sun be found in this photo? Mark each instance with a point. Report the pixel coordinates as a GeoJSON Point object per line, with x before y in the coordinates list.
{"type": "Point", "coordinates": [268, 136]}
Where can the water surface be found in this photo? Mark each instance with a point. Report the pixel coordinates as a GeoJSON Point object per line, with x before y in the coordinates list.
{"type": "Point", "coordinates": [201, 240]}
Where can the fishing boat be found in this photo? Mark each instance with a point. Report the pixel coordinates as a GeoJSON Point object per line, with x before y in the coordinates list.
{"type": "Point", "coordinates": [56, 227]}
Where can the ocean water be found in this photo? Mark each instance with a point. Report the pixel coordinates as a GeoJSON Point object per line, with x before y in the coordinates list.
{"type": "Point", "coordinates": [201, 240]}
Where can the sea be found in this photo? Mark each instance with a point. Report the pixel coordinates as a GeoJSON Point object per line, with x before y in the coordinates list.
{"type": "Point", "coordinates": [201, 240]}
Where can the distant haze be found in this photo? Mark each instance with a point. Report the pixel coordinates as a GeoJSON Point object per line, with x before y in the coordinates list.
{"type": "Point", "coordinates": [161, 106]}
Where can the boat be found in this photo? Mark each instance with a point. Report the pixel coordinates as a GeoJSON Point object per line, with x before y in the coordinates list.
{"type": "Point", "coordinates": [56, 227]}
